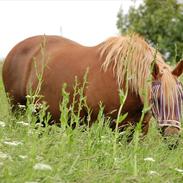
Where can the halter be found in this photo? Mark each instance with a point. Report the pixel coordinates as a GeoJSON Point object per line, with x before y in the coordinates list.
{"type": "Point", "coordinates": [160, 110]}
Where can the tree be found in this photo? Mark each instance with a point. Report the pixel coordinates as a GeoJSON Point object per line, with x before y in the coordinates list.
{"type": "Point", "coordinates": [160, 22]}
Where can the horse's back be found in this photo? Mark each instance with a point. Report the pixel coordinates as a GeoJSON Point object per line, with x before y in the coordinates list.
{"type": "Point", "coordinates": [62, 60]}
{"type": "Point", "coordinates": [19, 63]}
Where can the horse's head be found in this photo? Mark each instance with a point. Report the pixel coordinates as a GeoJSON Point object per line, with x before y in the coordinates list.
{"type": "Point", "coordinates": [167, 97]}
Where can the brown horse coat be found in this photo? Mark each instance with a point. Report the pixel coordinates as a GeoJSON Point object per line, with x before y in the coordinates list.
{"type": "Point", "coordinates": [62, 60]}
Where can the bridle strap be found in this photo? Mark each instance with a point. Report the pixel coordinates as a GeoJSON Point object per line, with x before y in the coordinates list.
{"type": "Point", "coordinates": [172, 123]}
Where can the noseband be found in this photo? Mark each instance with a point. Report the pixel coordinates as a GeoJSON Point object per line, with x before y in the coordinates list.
{"type": "Point", "coordinates": [161, 112]}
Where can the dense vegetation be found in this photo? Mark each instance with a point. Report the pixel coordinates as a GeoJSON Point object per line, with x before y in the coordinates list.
{"type": "Point", "coordinates": [52, 154]}
{"type": "Point", "coordinates": [160, 22]}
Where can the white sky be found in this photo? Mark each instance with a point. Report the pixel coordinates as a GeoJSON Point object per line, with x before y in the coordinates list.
{"type": "Point", "coordinates": [87, 22]}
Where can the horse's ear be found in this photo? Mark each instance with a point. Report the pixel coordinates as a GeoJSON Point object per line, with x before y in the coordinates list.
{"type": "Point", "coordinates": [155, 70]}
{"type": "Point", "coordinates": [178, 69]}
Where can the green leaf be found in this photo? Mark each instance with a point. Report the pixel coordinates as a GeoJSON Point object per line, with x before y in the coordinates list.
{"type": "Point", "coordinates": [121, 118]}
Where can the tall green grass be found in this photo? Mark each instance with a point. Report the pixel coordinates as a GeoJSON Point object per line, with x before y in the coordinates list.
{"type": "Point", "coordinates": [84, 155]}
{"type": "Point", "coordinates": [31, 153]}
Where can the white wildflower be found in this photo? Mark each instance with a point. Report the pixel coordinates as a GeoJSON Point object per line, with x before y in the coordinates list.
{"type": "Point", "coordinates": [2, 124]}
{"type": "Point", "coordinates": [42, 166]}
{"type": "Point", "coordinates": [21, 106]}
{"type": "Point", "coordinates": [122, 133]}
{"type": "Point", "coordinates": [152, 172]}
{"type": "Point", "coordinates": [149, 159]}
{"type": "Point", "coordinates": [173, 20]}
{"type": "Point", "coordinates": [23, 156]}
{"type": "Point", "coordinates": [3, 155]}
{"type": "Point", "coordinates": [179, 170]}
{"type": "Point", "coordinates": [13, 143]}
{"type": "Point", "coordinates": [23, 123]}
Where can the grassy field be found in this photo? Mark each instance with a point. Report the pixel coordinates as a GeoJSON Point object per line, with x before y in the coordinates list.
{"type": "Point", "coordinates": [95, 155]}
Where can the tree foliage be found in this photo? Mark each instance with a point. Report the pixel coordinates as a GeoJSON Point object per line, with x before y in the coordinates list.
{"type": "Point", "coordinates": [160, 22]}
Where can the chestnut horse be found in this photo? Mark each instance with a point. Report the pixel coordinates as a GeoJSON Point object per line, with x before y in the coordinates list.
{"type": "Point", "coordinates": [122, 62]}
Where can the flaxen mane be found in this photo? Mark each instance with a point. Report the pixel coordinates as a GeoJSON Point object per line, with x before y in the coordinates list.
{"type": "Point", "coordinates": [131, 56]}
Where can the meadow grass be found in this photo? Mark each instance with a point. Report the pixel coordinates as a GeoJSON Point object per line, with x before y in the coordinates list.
{"type": "Point", "coordinates": [83, 155]}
